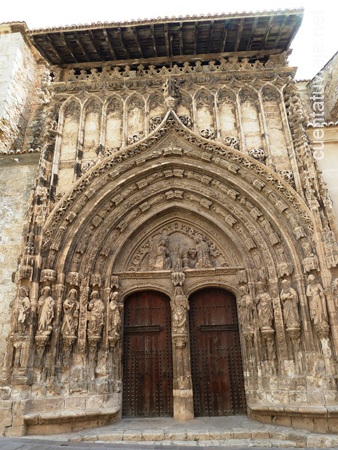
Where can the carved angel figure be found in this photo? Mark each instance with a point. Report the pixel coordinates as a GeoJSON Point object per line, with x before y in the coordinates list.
{"type": "Point", "coordinates": [46, 305]}
{"type": "Point", "coordinates": [289, 298]}
{"type": "Point", "coordinates": [71, 314]}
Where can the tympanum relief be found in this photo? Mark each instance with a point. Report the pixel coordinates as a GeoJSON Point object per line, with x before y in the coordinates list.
{"type": "Point", "coordinates": [177, 248]}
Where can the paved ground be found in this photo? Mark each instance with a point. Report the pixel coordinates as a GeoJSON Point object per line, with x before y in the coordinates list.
{"type": "Point", "coordinates": [164, 433]}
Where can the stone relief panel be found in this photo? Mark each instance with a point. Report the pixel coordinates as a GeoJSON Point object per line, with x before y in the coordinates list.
{"type": "Point", "coordinates": [113, 125]}
{"type": "Point", "coordinates": [135, 119]}
{"type": "Point", "coordinates": [251, 128]}
{"type": "Point", "coordinates": [92, 130]}
{"type": "Point", "coordinates": [227, 117]}
{"type": "Point", "coordinates": [205, 121]}
{"type": "Point", "coordinates": [275, 120]}
{"type": "Point", "coordinates": [177, 247]}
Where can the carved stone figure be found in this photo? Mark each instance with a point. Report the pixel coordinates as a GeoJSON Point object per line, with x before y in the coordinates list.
{"type": "Point", "coordinates": [160, 258]}
{"type": "Point", "coordinates": [246, 309]}
{"type": "Point", "coordinates": [46, 305]}
{"type": "Point", "coordinates": [180, 306]}
{"type": "Point", "coordinates": [264, 307]}
{"type": "Point", "coordinates": [71, 314]}
{"type": "Point", "coordinates": [96, 309]}
{"type": "Point", "coordinates": [289, 298]}
{"type": "Point", "coordinates": [114, 316]}
{"type": "Point", "coordinates": [317, 304]}
{"type": "Point", "coordinates": [203, 251]}
{"type": "Point", "coordinates": [310, 262]}
{"type": "Point", "coordinates": [21, 312]}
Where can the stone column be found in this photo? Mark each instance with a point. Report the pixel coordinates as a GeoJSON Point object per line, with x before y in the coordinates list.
{"type": "Point", "coordinates": [182, 382]}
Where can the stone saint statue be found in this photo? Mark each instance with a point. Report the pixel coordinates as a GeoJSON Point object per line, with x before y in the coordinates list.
{"type": "Point", "coordinates": [21, 312]}
{"type": "Point", "coordinates": [289, 298]}
{"type": "Point", "coordinates": [96, 309]}
{"type": "Point", "coordinates": [46, 305]}
{"type": "Point", "coordinates": [264, 307]}
{"type": "Point", "coordinates": [114, 317]}
{"type": "Point", "coordinates": [70, 314]}
{"type": "Point", "coordinates": [246, 308]}
{"type": "Point", "coordinates": [317, 304]}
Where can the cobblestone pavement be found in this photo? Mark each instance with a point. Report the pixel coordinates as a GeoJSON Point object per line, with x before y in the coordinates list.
{"type": "Point", "coordinates": [213, 433]}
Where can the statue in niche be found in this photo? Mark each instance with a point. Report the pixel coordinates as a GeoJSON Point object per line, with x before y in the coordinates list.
{"type": "Point", "coordinates": [70, 314]}
{"type": "Point", "coordinates": [264, 307]}
{"type": "Point", "coordinates": [180, 306]}
{"type": "Point", "coordinates": [317, 304]}
{"type": "Point", "coordinates": [21, 312]}
{"type": "Point", "coordinates": [96, 310]}
{"type": "Point", "coordinates": [246, 308]}
{"type": "Point", "coordinates": [114, 316]}
{"type": "Point", "coordinates": [202, 253]}
{"type": "Point", "coordinates": [46, 305]}
{"type": "Point", "coordinates": [159, 256]}
{"type": "Point", "coordinates": [289, 298]}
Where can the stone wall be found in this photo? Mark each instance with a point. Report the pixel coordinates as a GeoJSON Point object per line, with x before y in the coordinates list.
{"type": "Point", "coordinates": [17, 82]}
{"type": "Point", "coordinates": [17, 176]}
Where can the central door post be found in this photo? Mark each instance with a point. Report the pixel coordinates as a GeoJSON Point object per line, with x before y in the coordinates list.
{"type": "Point", "coordinates": [183, 402]}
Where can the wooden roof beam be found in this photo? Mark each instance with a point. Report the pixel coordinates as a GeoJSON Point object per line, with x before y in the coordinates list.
{"type": "Point", "coordinates": [285, 19]}
{"type": "Point", "coordinates": [123, 42]}
{"type": "Point", "coordinates": [152, 29]}
{"type": "Point", "coordinates": [254, 25]}
{"type": "Point", "coordinates": [267, 31]}
{"type": "Point", "coordinates": [50, 41]}
{"type": "Point", "coordinates": [83, 50]}
{"type": "Point", "coordinates": [224, 41]}
{"type": "Point", "coordinates": [195, 37]}
{"type": "Point", "coordinates": [211, 35]}
{"type": "Point", "coordinates": [166, 37]}
{"type": "Point", "coordinates": [181, 39]}
{"type": "Point", "coordinates": [239, 34]}
{"type": "Point", "coordinates": [110, 43]}
{"type": "Point", "coordinates": [137, 40]}
{"type": "Point", "coordinates": [93, 42]}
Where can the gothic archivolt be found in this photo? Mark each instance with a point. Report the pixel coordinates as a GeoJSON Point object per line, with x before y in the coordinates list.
{"type": "Point", "coordinates": [173, 211]}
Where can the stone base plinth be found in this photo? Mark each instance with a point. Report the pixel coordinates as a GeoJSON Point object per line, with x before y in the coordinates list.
{"type": "Point", "coordinates": [183, 404]}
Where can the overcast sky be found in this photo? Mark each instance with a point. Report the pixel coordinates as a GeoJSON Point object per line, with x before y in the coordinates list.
{"type": "Point", "coordinates": [315, 43]}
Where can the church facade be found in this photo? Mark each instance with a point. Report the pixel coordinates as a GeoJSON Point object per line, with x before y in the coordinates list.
{"type": "Point", "coordinates": [169, 235]}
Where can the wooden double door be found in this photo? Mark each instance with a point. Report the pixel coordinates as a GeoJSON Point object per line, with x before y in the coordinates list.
{"type": "Point", "coordinates": [216, 364]}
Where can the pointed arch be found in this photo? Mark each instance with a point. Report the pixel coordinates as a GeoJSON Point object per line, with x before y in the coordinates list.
{"type": "Point", "coordinates": [113, 130]}
{"type": "Point", "coordinates": [135, 118]}
{"type": "Point", "coordinates": [92, 118]}
{"type": "Point", "coordinates": [204, 114]}
{"type": "Point", "coordinates": [228, 116]}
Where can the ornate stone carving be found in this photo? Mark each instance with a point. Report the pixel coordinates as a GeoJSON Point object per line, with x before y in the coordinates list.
{"type": "Point", "coordinates": [318, 307]}
{"type": "Point", "coordinates": [46, 312]}
{"type": "Point", "coordinates": [246, 310]}
{"type": "Point", "coordinates": [263, 302]}
{"type": "Point", "coordinates": [232, 142]}
{"type": "Point", "coordinates": [70, 315]}
{"type": "Point", "coordinates": [171, 92]}
{"type": "Point", "coordinates": [21, 312]}
{"type": "Point", "coordinates": [202, 253]}
{"type": "Point", "coordinates": [95, 316]}
{"type": "Point", "coordinates": [180, 306]}
{"type": "Point", "coordinates": [159, 256]}
{"type": "Point", "coordinates": [208, 133]}
{"type": "Point", "coordinates": [114, 319]}
{"type": "Point", "coordinates": [289, 299]}
{"type": "Point", "coordinates": [310, 262]}
{"type": "Point", "coordinates": [257, 153]}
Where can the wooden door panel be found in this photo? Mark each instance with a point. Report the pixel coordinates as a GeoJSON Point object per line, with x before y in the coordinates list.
{"type": "Point", "coordinates": [215, 354]}
{"type": "Point", "coordinates": [147, 357]}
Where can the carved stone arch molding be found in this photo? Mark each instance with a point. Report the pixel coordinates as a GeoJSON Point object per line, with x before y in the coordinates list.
{"type": "Point", "coordinates": [175, 212]}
